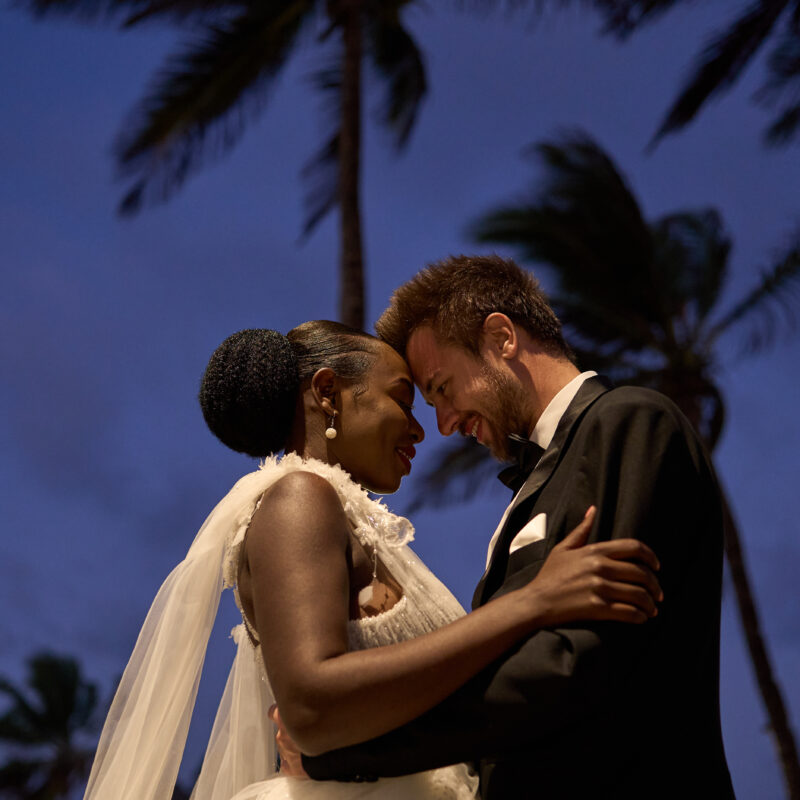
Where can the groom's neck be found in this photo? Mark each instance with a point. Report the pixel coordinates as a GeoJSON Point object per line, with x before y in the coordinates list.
{"type": "Point", "coordinates": [543, 376]}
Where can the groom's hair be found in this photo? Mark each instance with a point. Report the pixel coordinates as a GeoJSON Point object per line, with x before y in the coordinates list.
{"type": "Point", "coordinates": [454, 296]}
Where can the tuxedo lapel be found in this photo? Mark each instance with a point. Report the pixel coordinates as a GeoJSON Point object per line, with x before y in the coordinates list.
{"type": "Point", "coordinates": [590, 390]}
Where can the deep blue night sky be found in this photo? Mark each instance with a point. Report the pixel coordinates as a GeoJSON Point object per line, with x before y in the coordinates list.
{"type": "Point", "coordinates": [107, 468]}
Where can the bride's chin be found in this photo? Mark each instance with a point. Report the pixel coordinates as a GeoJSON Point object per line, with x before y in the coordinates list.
{"type": "Point", "coordinates": [384, 488]}
{"type": "Point", "coordinates": [377, 484]}
{"type": "Point", "coordinates": [383, 485]}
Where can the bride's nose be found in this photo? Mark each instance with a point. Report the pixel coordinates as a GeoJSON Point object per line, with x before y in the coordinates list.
{"type": "Point", "coordinates": [416, 430]}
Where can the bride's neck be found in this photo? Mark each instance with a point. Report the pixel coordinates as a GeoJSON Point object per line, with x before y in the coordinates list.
{"type": "Point", "coordinates": [309, 449]}
{"type": "Point", "coordinates": [307, 439]}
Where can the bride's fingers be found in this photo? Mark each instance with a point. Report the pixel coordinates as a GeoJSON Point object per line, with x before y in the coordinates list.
{"type": "Point", "coordinates": [629, 594]}
{"type": "Point", "coordinates": [580, 533]}
{"type": "Point", "coordinates": [628, 549]}
{"type": "Point", "coordinates": [630, 572]}
{"type": "Point", "coordinates": [621, 612]}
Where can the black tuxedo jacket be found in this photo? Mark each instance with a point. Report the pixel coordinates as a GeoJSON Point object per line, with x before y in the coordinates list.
{"type": "Point", "coordinates": [601, 710]}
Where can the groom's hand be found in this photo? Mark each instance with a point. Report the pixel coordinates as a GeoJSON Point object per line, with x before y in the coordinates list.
{"type": "Point", "coordinates": [291, 761]}
{"type": "Point", "coordinates": [611, 580]}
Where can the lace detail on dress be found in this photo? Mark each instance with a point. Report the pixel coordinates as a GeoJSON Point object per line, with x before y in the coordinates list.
{"type": "Point", "coordinates": [387, 627]}
{"type": "Point", "coordinates": [373, 524]}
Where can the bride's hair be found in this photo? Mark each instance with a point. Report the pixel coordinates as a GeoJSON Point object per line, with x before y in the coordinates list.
{"type": "Point", "coordinates": [249, 390]}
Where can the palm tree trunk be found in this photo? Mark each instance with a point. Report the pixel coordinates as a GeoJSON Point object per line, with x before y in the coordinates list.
{"type": "Point", "coordinates": [770, 693]}
{"type": "Point", "coordinates": [351, 267]}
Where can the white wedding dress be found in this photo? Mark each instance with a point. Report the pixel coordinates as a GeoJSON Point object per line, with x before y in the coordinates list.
{"type": "Point", "coordinates": [142, 741]}
{"type": "Point", "coordinates": [426, 604]}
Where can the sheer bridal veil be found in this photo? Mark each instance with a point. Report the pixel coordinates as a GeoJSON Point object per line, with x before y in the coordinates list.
{"type": "Point", "coordinates": [144, 735]}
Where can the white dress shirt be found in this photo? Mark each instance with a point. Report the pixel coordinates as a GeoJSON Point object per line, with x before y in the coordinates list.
{"type": "Point", "coordinates": [543, 433]}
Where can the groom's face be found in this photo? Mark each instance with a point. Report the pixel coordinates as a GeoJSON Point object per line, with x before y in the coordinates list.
{"type": "Point", "coordinates": [471, 397]}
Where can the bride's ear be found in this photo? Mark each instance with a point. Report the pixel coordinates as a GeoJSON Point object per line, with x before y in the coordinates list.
{"type": "Point", "coordinates": [325, 390]}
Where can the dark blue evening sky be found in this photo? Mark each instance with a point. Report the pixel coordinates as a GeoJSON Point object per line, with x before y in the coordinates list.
{"type": "Point", "coordinates": [107, 468]}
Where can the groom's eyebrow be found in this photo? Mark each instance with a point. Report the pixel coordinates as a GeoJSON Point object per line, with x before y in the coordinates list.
{"type": "Point", "coordinates": [427, 391]}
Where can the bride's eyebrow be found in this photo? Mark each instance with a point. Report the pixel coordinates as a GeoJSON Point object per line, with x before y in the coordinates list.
{"type": "Point", "coordinates": [407, 383]}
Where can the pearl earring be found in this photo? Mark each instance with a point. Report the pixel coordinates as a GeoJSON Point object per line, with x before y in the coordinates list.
{"type": "Point", "coordinates": [330, 431]}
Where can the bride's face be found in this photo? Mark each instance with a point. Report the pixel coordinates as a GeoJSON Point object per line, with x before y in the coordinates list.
{"type": "Point", "coordinates": [376, 427]}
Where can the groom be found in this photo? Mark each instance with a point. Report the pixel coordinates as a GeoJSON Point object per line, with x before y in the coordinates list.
{"type": "Point", "coordinates": [602, 710]}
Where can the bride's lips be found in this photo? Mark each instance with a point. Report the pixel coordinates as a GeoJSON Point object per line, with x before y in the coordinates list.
{"type": "Point", "coordinates": [406, 454]}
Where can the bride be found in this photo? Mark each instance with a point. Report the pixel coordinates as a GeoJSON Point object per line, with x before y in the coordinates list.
{"type": "Point", "coordinates": [341, 622]}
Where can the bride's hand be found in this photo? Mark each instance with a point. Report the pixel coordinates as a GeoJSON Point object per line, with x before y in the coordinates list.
{"type": "Point", "coordinates": [610, 580]}
{"type": "Point", "coordinates": [291, 761]}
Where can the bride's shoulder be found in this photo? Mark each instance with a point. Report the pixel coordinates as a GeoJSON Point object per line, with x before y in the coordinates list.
{"type": "Point", "coordinates": [300, 486]}
{"type": "Point", "coordinates": [298, 505]}
{"type": "Point", "coordinates": [292, 479]}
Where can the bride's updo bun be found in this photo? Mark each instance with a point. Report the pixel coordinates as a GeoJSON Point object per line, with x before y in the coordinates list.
{"type": "Point", "coordinates": [249, 390]}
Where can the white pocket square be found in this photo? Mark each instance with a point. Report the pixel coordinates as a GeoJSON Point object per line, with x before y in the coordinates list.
{"type": "Point", "coordinates": [534, 531]}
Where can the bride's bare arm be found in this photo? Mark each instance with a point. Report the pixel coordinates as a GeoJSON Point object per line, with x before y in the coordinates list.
{"type": "Point", "coordinates": [329, 697]}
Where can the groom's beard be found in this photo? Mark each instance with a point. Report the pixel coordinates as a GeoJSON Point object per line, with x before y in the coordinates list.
{"type": "Point", "coordinates": [506, 411]}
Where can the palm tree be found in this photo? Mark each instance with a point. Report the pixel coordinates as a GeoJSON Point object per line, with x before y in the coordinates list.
{"type": "Point", "coordinates": [640, 300]}
{"type": "Point", "coordinates": [197, 105]}
{"type": "Point", "coordinates": [726, 56]}
{"type": "Point", "coordinates": [45, 725]}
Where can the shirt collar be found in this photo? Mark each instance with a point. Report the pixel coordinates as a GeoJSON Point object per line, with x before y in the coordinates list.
{"type": "Point", "coordinates": [546, 426]}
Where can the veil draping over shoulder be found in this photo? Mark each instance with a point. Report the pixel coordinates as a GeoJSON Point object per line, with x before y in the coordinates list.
{"type": "Point", "coordinates": [144, 735]}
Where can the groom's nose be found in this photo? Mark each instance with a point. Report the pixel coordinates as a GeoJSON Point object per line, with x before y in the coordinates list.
{"type": "Point", "coordinates": [446, 417]}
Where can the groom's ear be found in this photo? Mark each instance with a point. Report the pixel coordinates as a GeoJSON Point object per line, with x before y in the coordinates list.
{"type": "Point", "coordinates": [324, 389]}
{"type": "Point", "coordinates": [500, 338]}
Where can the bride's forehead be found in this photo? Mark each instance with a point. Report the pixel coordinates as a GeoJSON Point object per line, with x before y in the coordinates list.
{"type": "Point", "coordinates": [389, 361]}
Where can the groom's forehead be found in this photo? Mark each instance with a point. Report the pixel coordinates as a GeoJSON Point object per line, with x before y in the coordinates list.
{"type": "Point", "coordinates": [424, 354]}
{"type": "Point", "coordinates": [428, 355]}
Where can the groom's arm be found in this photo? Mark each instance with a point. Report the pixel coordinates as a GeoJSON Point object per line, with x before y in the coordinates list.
{"type": "Point", "coordinates": [636, 458]}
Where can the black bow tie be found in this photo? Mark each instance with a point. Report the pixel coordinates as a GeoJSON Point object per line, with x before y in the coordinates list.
{"type": "Point", "coordinates": [527, 455]}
